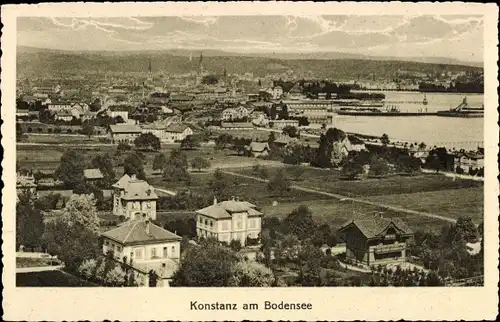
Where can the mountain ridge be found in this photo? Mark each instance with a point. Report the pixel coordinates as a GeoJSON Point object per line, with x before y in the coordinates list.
{"type": "Point", "coordinates": [278, 56]}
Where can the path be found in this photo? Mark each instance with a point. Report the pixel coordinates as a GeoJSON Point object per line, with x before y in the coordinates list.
{"type": "Point", "coordinates": [38, 269]}
{"type": "Point", "coordinates": [168, 192]}
{"type": "Point", "coordinates": [345, 198]}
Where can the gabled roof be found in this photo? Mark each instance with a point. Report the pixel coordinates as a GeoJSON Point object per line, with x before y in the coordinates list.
{"type": "Point", "coordinates": [374, 226]}
{"type": "Point", "coordinates": [125, 128]}
{"type": "Point", "coordinates": [122, 183]}
{"type": "Point", "coordinates": [92, 174]}
{"type": "Point", "coordinates": [259, 146]}
{"type": "Point", "coordinates": [177, 128]}
{"type": "Point", "coordinates": [225, 209]}
{"type": "Point", "coordinates": [236, 124]}
{"type": "Point", "coordinates": [139, 190]}
{"type": "Point", "coordinates": [136, 233]}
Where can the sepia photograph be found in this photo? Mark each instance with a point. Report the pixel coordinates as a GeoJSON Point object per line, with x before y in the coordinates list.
{"type": "Point", "coordinates": [233, 150]}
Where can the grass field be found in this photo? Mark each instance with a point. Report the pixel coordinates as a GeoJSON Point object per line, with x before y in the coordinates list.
{"type": "Point", "coordinates": [450, 203]}
{"type": "Point", "coordinates": [46, 157]}
{"type": "Point", "coordinates": [331, 181]}
{"type": "Point", "coordinates": [50, 278]}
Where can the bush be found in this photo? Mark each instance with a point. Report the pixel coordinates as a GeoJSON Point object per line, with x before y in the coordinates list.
{"type": "Point", "coordinates": [69, 131]}
{"type": "Point", "coordinates": [123, 146]}
{"type": "Point", "coordinates": [87, 268]}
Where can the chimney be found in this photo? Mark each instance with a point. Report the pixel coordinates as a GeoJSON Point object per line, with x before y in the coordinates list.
{"type": "Point", "coordinates": [215, 200]}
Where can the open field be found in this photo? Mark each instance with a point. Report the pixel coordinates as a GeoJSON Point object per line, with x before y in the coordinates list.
{"type": "Point", "coordinates": [331, 181]}
{"type": "Point", "coordinates": [335, 213]}
{"type": "Point", "coordinates": [450, 203]}
{"type": "Point", "coordinates": [50, 278]}
{"type": "Point", "coordinates": [46, 157]}
{"type": "Point", "coordinates": [248, 189]}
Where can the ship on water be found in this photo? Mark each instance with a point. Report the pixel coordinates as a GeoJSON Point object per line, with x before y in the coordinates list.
{"type": "Point", "coordinates": [463, 110]}
{"type": "Point", "coordinates": [389, 111]}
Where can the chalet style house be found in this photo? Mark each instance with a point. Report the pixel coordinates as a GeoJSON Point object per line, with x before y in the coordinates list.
{"type": "Point", "coordinates": [229, 220]}
{"type": "Point", "coordinates": [376, 240]}
{"type": "Point", "coordinates": [134, 198]}
{"type": "Point", "coordinates": [146, 248]}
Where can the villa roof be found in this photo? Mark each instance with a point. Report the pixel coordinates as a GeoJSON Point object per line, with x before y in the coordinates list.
{"type": "Point", "coordinates": [225, 209]}
{"type": "Point", "coordinates": [177, 128]}
{"type": "Point", "coordinates": [122, 182]}
{"type": "Point", "coordinates": [139, 190]}
{"type": "Point", "coordinates": [373, 227]}
{"type": "Point", "coordinates": [137, 232]}
{"type": "Point", "coordinates": [125, 128]}
{"type": "Point", "coordinates": [92, 174]}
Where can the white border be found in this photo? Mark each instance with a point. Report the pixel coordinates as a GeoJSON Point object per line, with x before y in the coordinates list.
{"type": "Point", "coordinates": [328, 303]}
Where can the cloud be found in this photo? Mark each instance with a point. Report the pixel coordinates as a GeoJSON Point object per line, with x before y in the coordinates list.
{"type": "Point", "coordinates": [453, 36]}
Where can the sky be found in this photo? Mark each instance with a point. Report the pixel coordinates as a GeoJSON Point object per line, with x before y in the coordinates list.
{"type": "Point", "coordinates": [458, 37]}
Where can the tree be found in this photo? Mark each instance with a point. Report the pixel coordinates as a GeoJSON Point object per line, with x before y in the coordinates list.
{"type": "Point", "coordinates": [159, 162]}
{"type": "Point", "coordinates": [70, 169]}
{"type": "Point", "coordinates": [200, 163]}
{"type": "Point", "coordinates": [87, 268]}
{"type": "Point", "coordinates": [251, 274]}
{"type": "Point", "coordinates": [29, 222]}
{"type": "Point", "coordinates": [115, 277]}
{"type": "Point", "coordinates": [133, 165]}
{"type": "Point", "coordinates": [271, 138]}
{"type": "Point", "coordinates": [147, 141]}
{"type": "Point", "coordinates": [210, 264]}
{"type": "Point", "coordinates": [104, 163]}
{"type": "Point", "coordinates": [291, 131]}
{"type": "Point", "coordinates": [219, 185]}
{"type": "Point", "coordinates": [310, 259]}
{"type": "Point", "coordinates": [80, 210]}
{"type": "Point", "coordinates": [278, 183]}
{"type": "Point", "coordinates": [190, 142]}
{"type": "Point", "coordinates": [88, 128]}
{"type": "Point", "coordinates": [352, 169]}
{"type": "Point", "coordinates": [379, 166]}
{"type": "Point", "coordinates": [300, 222]}
{"type": "Point", "coordinates": [384, 139]}
{"type": "Point", "coordinates": [70, 243]}
{"type": "Point", "coordinates": [177, 167]}
{"type": "Point", "coordinates": [235, 245]}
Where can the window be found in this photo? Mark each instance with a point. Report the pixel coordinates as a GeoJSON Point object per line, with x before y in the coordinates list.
{"type": "Point", "coordinates": [173, 251]}
{"type": "Point", "coordinates": [138, 253]}
{"type": "Point", "coordinates": [211, 223]}
{"type": "Point", "coordinates": [206, 222]}
{"type": "Point", "coordinates": [200, 219]}
{"type": "Point", "coordinates": [153, 252]}
{"type": "Point", "coordinates": [149, 204]}
{"type": "Point", "coordinates": [119, 248]}
{"type": "Point", "coordinates": [165, 252]}
{"type": "Point", "coordinates": [106, 242]}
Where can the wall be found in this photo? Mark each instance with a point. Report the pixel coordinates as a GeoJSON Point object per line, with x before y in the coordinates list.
{"type": "Point", "coordinates": [172, 251]}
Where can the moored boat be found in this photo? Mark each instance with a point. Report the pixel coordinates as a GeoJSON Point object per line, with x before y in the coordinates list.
{"type": "Point", "coordinates": [463, 110]}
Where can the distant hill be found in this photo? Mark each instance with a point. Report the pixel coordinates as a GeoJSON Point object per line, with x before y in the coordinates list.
{"type": "Point", "coordinates": [322, 65]}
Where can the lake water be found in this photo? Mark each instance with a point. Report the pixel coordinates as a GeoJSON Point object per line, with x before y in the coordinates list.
{"type": "Point", "coordinates": [452, 132]}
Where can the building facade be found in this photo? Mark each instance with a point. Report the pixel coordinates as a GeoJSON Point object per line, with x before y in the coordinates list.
{"type": "Point", "coordinates": [134, 198]}
{"type": "Point", "coordinates": [229, 220]}
{"type": "Point", "coordinates": [376, 241]}
{"type": "Point", "coordinates": [146, 248]}
{"type": "Point", "coordinates": [123, 133]}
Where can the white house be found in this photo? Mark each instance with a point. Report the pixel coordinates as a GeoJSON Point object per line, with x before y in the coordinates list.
{"type": "Point", "coordinates": [229, 220]}
{"type": "Point", "coordinates": [134, 198]}
{"type": "Point", "coordinates": [146, 248]}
